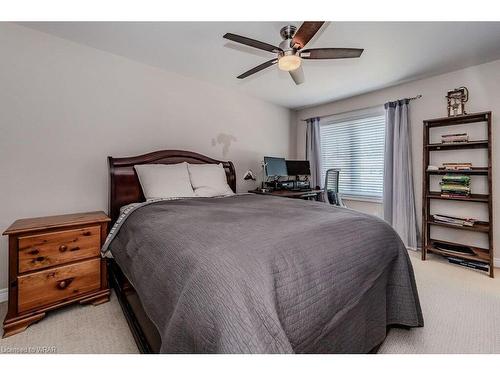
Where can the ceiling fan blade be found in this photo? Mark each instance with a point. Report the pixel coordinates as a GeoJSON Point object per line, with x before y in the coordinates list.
{"type": "Point", "coordinates": [252, 43]}
{"type": "Point", "coordinates": [305, 33]}
{"type": "Point", "coordinates": [297, 75]}
{"type": "Point", "coordinates": [258, 68]}
{"type": "Point", "coordinates": [331, 53]}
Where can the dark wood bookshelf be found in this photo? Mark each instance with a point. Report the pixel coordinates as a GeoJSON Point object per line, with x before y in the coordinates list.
{"type": "Point", "coordinates": [429, 244]}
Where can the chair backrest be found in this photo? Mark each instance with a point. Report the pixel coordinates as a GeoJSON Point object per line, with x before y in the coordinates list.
{"type": "Point", "coordinates": [332, 187]}
{"type": "Point", "coordinates": [332, 180]}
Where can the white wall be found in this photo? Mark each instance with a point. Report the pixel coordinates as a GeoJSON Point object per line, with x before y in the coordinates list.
{"type": "Point", "coordinates": [65, 107]}
{"type": "Point", "coordinates": [483, 82]}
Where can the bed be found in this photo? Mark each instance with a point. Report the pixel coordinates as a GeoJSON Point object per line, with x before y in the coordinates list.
{"type": "Point", "coordinates": [253, 274]}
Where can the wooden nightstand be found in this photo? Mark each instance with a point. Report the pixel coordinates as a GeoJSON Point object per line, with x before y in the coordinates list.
{"type": "Point", "coordinates": [54, 261]}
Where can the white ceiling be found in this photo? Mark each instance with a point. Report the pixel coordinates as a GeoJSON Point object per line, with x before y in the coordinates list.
{"type": "Point", "coordinates": [394, 53]}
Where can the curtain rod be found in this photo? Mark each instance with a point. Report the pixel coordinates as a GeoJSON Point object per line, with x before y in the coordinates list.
{"type": "Point", "coordinates": [412, 98]}
{"type": "Point", "coordinates": [415, 97]}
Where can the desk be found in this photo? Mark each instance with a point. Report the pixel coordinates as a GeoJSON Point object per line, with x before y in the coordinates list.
{"type": "Point", "coordinates": [304, 194]}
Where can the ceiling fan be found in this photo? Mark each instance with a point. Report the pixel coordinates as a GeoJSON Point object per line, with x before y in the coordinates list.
{"type": "Point", "coordinates": [290, 51]}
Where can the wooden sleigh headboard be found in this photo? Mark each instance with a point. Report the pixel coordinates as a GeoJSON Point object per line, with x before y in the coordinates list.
{"type": "Point", "coordinates": [124, 186]}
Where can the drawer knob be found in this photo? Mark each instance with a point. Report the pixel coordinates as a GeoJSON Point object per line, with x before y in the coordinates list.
{"type": "Point", "coordinates": [63, 284]}
{"type": "Point", "coordinates": [63, 248]}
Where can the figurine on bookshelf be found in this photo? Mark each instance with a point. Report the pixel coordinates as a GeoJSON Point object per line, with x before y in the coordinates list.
{"type": "Point", "coordinates": [456, 100]}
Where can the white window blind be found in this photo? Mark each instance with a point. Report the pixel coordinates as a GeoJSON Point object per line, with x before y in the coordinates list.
{"type": "Point", "coordinates": [356, 146]}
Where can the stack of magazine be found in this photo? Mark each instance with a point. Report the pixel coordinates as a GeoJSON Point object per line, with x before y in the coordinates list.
{"type": "Point", "coordinates": [458, 221]}
{"type": "Point", "coordinates": [457, 166]}
{"type": "Point", "coordinates": [455, 185]}
{"type": "Point", "coordinates": [469, 263]}
{"type": "Point", "coordinates": [455, 138]}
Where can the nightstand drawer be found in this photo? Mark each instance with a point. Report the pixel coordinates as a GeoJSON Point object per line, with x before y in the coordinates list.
{"type": "Point", "coordinates": [57, 284]}
{"type": "Point", "coordinates": [46, 250]}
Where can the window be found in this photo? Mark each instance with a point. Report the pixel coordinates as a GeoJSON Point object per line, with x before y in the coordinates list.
{"type": "Point", "coordinates": [356, 146]}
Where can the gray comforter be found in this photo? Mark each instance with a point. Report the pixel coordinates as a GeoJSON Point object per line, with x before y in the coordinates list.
{"type": "Point", "coordinates": [259, 274]}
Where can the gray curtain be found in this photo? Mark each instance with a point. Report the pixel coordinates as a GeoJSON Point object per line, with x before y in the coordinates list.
{"type": "Point", "coordinates": [399, 197]}
{"type": "Point", "coordinates": [313, 151]}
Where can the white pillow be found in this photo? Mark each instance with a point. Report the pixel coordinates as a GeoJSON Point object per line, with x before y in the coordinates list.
{"type": "Point", "coordinates": [209, 180]}
{"type": "Point", "coordinates": [165, 180]}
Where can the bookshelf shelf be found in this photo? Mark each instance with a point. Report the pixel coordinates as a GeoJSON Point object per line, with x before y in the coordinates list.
{"type": "Point", "coordinates": [458, 120]}
{"type": "Point", "coordinates": [482, 255]}
{"type": "Point", "coordinates": [474, 171]}
{"type": "Point", "coordinates": [479, 226]}
{"type": "Point", "coordinates": [470, 198]}
{"type": "Point", "coordinates": [457, 146]}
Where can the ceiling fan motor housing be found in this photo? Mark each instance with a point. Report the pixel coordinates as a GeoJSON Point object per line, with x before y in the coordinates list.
{"type": "Point", "coordinates": [287, 34]}
{"type": "Point", "coordinates": [288, 31]}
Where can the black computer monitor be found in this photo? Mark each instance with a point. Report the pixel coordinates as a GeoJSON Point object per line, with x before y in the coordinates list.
{"type": "Point", "coordinates": [275, 167]}
{"type": "Point", "coordinates": [298, 167]}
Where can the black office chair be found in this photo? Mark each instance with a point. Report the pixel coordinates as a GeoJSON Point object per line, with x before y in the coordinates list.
{"type": "Point", "coordinates": [332, 187]}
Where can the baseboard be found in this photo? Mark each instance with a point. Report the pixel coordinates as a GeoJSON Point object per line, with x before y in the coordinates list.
{"type": "Point", "coordinates": [4, 295]}
{"type": "Point", "coordinates": [413, 249]}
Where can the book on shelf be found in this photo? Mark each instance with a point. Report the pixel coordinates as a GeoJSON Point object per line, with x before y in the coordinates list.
{"type": "Point", "coordinates": [456, 179]}
{"type": "Point", "coordinates": [455, 184]}
{"type": "Point", "coordinates": [454, 195]}
{"type": "Point", "coordinates": [458, 221]}
{"type": "Point", "coordinates": [455, 138]}
{"type": "Point", "coordinates": [469, 263]}
{"type": "Point", "coordinates": [457, 166]}
{"type": "Point", "coordinates": [454, 188]}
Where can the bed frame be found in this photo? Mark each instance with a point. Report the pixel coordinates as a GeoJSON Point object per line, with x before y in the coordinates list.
{"type": "Point", "coordinates": [125, 189]}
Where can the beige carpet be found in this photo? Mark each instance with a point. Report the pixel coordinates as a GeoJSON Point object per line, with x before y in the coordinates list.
{"type": "Point", "coordinates": [461, 311]}
{"type": "Point", "coordinates": [76, 329]}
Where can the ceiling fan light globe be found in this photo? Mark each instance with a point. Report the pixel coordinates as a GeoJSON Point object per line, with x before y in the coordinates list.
{"type": "Point", "coordinates": [289, 62]}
